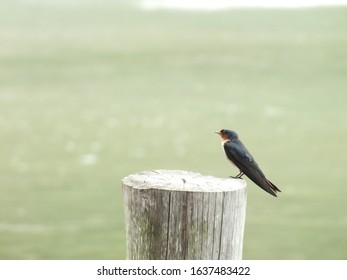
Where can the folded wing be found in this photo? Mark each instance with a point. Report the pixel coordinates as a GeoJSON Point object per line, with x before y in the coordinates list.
{"type": "Point", "coordinates": [242, 158]}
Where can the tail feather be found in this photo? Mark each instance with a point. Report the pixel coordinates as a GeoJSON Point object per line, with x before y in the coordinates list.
{"type": "Point", "coordinates": [273, 187]}
{"type": "Point", "coordinates": [258, 177]}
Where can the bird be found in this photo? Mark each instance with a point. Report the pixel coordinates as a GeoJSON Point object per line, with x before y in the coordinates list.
{"type": "Point", "coordinates": [238, 154]}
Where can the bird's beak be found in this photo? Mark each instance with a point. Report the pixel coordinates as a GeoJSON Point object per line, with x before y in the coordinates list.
{"type": "Point", "coordinates": [218, 132]}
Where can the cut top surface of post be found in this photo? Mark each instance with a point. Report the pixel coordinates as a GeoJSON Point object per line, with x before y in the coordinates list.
{"type": "Point", "coordinates": [180, 180]}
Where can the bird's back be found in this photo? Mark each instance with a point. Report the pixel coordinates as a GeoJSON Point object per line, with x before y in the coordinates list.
{"type": "Point", "coordinates": [242, 158]}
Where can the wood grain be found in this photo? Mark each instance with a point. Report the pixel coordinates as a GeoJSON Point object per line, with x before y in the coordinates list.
{"type": "Point", "coordinates": [175, 214]}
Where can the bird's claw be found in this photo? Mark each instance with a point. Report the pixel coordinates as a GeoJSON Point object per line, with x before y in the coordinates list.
{"type": "Point", "coordinates": [234, 177]}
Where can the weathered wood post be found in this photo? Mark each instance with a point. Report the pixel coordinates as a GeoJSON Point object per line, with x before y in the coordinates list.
{"type": "Point", "coordinates": [173, 214]}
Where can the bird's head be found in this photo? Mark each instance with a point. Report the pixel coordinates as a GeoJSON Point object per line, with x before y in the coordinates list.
{"type": "Point", "coordinates": [227, 134]}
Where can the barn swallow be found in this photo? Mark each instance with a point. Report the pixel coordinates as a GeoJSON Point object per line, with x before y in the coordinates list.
{"type": "Point", "coordinates": [237, 153]}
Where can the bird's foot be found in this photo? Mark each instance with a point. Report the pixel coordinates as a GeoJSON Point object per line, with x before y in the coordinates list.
{"type": "Point", "coordinates": [235, 177]}
{"type": "Point", "coordinates": [238, 176]}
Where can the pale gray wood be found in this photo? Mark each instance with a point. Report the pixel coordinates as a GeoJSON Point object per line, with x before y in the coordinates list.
{"type": "Point", "coordinates": [175, 214]}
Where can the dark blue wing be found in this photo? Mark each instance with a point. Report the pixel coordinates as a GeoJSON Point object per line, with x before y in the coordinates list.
{"type": "Point", "coordinates": [242, 158]}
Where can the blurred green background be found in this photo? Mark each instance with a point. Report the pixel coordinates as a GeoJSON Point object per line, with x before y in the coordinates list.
{"type": "Point", "coordinates": [91, 91]}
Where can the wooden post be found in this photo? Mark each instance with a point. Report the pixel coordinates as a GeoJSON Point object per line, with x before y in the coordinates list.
{"type": "Point", "coordinates": [173, 214]}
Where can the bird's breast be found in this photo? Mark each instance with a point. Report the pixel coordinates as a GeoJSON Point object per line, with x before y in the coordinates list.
{"type": "Point", "coordinates": [226, 154]}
